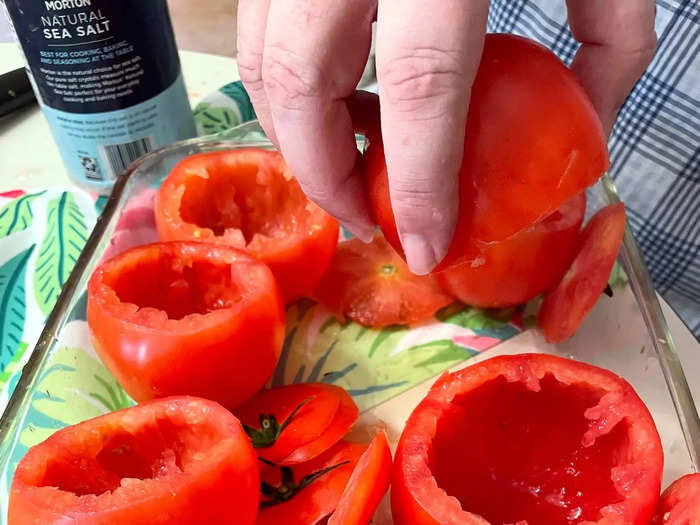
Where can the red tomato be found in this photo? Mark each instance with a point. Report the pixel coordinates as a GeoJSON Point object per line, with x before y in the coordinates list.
{"type": "Point", "coordinates": [680, 503]}
{"type": "Point", "coordinates": [187, 318]}
{"type": "Point", "coordinates": [295, 423]}
{"type": "Point", "coordinates": [566, 306]}
{"type": "Point", "coordinates": [308, 492]}
{"type": "Point", "coordinates": [248, 198]}
{"type": "Point", "coordinates": [515, 270]}
{"type": "Point", "coordinates": [125, 467]}
{"type": "Point", "coordinates": [528, 438]}
{"type": "Point", "coordinates": [368, 484]}
{"type": "Point", "coordinates": [373, 286]}
{"type": "Point", "coordinates": [533, 141]}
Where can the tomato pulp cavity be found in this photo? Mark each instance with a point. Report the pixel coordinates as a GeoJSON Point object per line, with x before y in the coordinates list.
{"type": "Point", "coordinates": [531, 439]}
{"type": "Point", "coordinates": [187, 318]}
{"type": "Point", "coordinates": [123, 468]}
{"type": "Point", "coordinates": [248, 198]}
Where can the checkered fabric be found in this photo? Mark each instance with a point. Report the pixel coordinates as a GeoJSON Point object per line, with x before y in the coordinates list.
{"type": "Point", "coordinates": [655, 145]}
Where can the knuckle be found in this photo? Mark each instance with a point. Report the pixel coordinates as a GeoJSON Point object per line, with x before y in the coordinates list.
{"type": "Point", "coordinates": [414, 81]}
{"type": "Point", "coordinates": [418, 206]}
{"type": "Point", "coordinates": [250, 69]}
{"type": "Point", "coordinates": [290, 81]}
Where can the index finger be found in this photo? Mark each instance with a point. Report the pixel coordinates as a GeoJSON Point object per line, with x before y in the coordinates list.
{"type": "Point", "coordinates": [315, 52]}
{"type": "Point", "coordinates": [425, 72]}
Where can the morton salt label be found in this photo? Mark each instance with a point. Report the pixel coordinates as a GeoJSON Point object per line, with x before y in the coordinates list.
{"type": "Point", "coordinates": [108, 78]}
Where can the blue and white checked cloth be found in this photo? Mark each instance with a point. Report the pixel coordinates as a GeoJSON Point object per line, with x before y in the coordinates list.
{"type": "Point", "coordinates": [655, 145]}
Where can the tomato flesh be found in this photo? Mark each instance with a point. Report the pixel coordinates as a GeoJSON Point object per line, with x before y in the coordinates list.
{"type": "Point", "coordinates": [373, 286]}
{"type": "Point", "coordinates": [367, 485]}
{"type": "Point", "coordinates": [184, 319]}
{"type": "Point", "coordinates": [680, 503]}
{"type": "Point", "coordinates": [513, 271]}
{"type": "Point", "coordinates": [249, 199]}
{"type": "Point", "coordinates": [566, 306]}
{"type": "Point", "coordinates": [533, 141]}
{"type": "Point", "coordinates": [317, 417]}
{"type": "Point", "coordinates": [124, 467]}
{"type": "Point", "coordinates": [548, 440]}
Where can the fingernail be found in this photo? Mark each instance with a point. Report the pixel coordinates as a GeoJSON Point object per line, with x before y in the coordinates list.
{"type": "Point", "coordinates": [363, 232]}
{"type": "Point", "coordinates": [420, 255]}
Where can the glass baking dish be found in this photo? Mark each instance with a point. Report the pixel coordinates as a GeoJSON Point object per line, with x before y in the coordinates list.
{"type": "Point", "coordinates": [386, 371]}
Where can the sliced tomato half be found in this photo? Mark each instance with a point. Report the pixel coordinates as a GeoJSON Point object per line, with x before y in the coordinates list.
{"type": "Point", "coordinates": [566, 306]}
{"type": "Point", "coordinates": [248, 198]}
{"type": "Point", "coordinates": [680, 503]}
{"type": "Point", "coordinates": [373, 286]}
{"type": "Point", "coordinates": [369, 482]}
{"type": "Point", "coordinates": [187, 318]}
{"type": "Point", "coordinates": [173, 461]}
{"type": "Point", "coordinates": [306, 493]}
{"type": "Point", "coordinates": [510, 272]}
{"type": "Point", "coordinates": [295, 423]}
{"type": "Point", "coordinates": [528, 438]}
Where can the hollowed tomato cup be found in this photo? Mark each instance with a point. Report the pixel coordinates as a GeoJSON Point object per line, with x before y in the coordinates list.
{"type": "Point", "coordinates": [248, 199]}
{"type": "Point", "coordinates": [528, 439]}
{"type": "Point", "coordinates": [175, 461]}
{"type": "Point", "coordinates": [187, 318]}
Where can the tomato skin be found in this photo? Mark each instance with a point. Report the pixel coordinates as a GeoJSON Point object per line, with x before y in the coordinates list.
{"type": "Point", "coordinates": [319, 499]}
{"type": "Point", "coordinates": [680, 502]}
{"type": "Point", "coordinates": [617, 463]}
{"type": "Point", "coordinates": [369, 482]}
{"type": "Point", "coordinates": [566, 306]}
{"type": "Point", "coordinates": [513, 271]}
{"type": "Point", "coordinates": [373, 286]}
{"type": "Point", "coordinates": [235, 321]}
{"type": "Point", "coordinates": [248, 199]}
{"type": "Point", "coordinates": [327, 414]}
{"type": "Point", "coordinates": [533, 140]}
{"type": "Point", "coordinates": [186, 446]}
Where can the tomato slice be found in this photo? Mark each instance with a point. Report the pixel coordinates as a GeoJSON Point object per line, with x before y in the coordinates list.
{"type": "Point", "coordinates": [373, 286]}
{"type": "Point", "coordinates": [528, 438]}
{"type": "Point", "coordinates": [533, 141]}
{"type": "Point", "coordinates": [295, 423]}
{"type": "Point", "coordinates": [186, 318]}
{"type": "Point", "coordinates": [510, 272]}
{"type": "Point", "coordinates": [306, 493]}
{"type": "Point", "coordinates": [368, 484]}
{"type": "Point", "coordinates": [125, 467]}
{"type": "Point", "coordinates": [566, 306]}
{"type": "Point", "coordinates": [680, 503]}
{"type": "Point", "coordinates": [248, 198]}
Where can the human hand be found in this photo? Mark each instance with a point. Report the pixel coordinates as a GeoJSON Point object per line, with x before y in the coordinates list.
{"type": "Point", "coordinates": [300, 61]}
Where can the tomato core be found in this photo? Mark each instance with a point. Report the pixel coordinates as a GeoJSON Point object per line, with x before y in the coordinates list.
{"type": "Point", "coordinates": [509, 453]}
{"type": "Point", "coordinates": [388, 269]}
{"type": "Point", "coordinates": [177, 286]}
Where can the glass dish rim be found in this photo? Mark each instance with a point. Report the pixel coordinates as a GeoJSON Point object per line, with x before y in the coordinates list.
{"type": "Point", "coordinates": [629, 257]}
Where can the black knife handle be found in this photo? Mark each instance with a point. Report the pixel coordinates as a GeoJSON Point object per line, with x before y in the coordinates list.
{"type": "Point", "coordinates": [15, 91]}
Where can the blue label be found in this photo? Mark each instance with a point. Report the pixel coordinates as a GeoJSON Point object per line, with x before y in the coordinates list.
{"type": "Point", "coordinates": [90, 56]}
{"type": "Point", "coordinates": [98, 147]}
